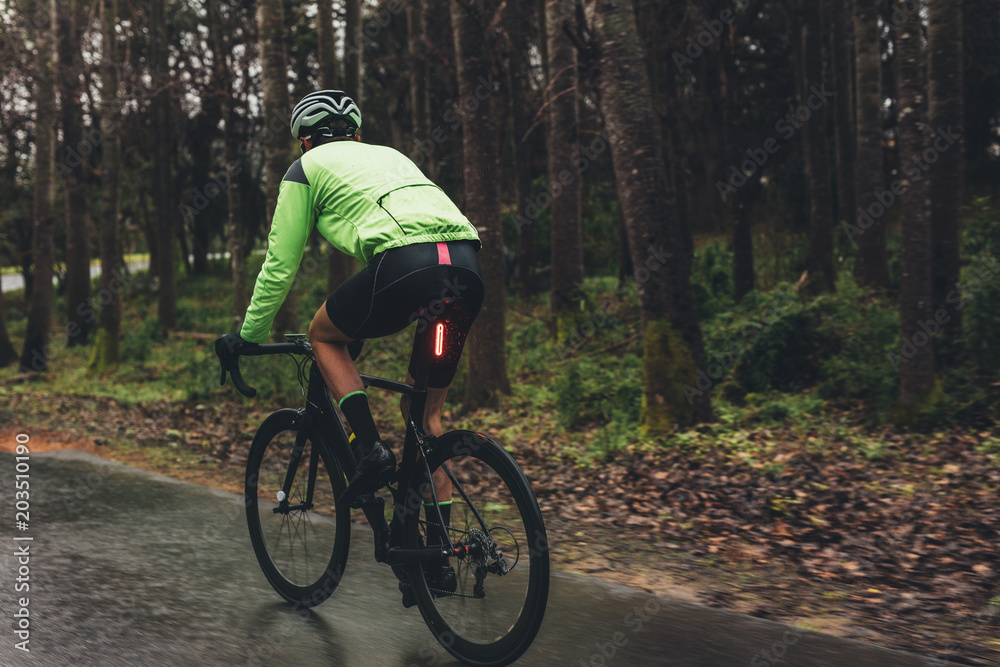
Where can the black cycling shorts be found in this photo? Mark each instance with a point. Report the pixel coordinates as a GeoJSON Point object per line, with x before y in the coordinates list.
{"type": "Point", "coordinates": [437, 285]}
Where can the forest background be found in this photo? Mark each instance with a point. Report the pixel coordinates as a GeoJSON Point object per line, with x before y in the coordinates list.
{"type": "Point", "coordinates": [743, 290]}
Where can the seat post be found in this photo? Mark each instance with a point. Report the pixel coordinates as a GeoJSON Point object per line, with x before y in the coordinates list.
{"type": "Point", "coordinates": [418, 399]}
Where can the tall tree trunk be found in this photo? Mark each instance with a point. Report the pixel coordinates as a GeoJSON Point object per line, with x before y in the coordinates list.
{"type": "Point", "coordinates": [867, 230]}
{"type": "Point", "coordinates": [842, 54]}
{"type": "Point", "coordinates": [164, 211]}
{"type": "Point", "coordinates": [146, 219]}
{"type": "Point", "coordinates": [202, 132]}
{"type": "Point", "coordinates": [672, 345]}
{"type": "Point", "coordinates": [274, 72]}
{"type": "Point", "coordinates": [946, 184]}
{"type": "Point", "coordinates": [222, 75]}
{"type": "Point", "coordinates": [916, 293]}
{"type": "Point", "coordinates": [235, 229]}
{"type": "Point", "coordinates": [520, 112]}
{"type": "Point", "coordinates": [625, 268]}
{"type": "Point", "coordinates": [744, 276]}
{"type": "Point", "coordinates": [353, 49]}
{"type": "Point", "coordinates": [106, 347]}
{"type": "Point", "coordinates": [814, 148]}
{"type": "Point", "coordinates": [487, 370]}
{"type": "Point", "coordinates": [8, 175]}
{"type": "Point", "coordinates": [678, 183]}
{"type": "Point", "coordinates": [34, 356]}
{"type": "Point", "coordinates": [74, 183]}
{"type": "Point", "coordinates": [202, 135]}
{"type": "Point", "coordinates": [981, 48]}
{"type": "Point", "coordinates": [339, 265]}
{"type": "Point", "coordinates": [563, 141]}
{"type": "Point", "coordinates": [180, 237]}
{"type": "Point", "coordinates": [420, 105]}
{"type": "Point", "coordinates": [8, 354]}
{"type": "Point", "coordinates": [326, 42]}
{"type": "Point", "coordinates": [397, 105]}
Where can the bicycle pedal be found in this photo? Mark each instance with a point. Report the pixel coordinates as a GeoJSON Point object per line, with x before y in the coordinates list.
{"type": "Point", "coordinates": [409, 597]}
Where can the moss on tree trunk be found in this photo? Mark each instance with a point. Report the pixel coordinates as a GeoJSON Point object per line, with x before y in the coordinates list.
{"type": "Point", "coordinates": [660, 247]}
{"type": "Point", "coordinates": [104, 356]}
{"type": "Point", "coordinates": [485, 349]}
{"type": "Point", "coordinates": [668, 365]}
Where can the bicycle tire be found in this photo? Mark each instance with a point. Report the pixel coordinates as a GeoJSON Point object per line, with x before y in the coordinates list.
{"type": "Point", "coordinates": [310, 579]}
{"type": "Point", "coordinates": [512, 508]}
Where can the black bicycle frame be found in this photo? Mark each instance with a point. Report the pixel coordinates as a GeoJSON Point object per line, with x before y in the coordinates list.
{"type": "Point", "coordinates": [320, 417]}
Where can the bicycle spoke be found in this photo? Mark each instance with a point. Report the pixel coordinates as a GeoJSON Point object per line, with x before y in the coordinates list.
{"type": "Point", "coordinates": [494, 577]}
{"type": "Point", "coordinates": [297, 544]}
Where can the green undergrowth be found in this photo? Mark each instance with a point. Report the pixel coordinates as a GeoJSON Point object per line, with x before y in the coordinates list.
{"type": "Point", "coordinates": [809, 370]}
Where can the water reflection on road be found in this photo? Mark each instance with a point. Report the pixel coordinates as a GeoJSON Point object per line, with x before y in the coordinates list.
{"type": "Point", "coordinates": [131, 568]}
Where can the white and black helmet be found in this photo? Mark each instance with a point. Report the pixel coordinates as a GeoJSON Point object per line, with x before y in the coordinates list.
{"type": "Point", "coordinates": [316, 110]}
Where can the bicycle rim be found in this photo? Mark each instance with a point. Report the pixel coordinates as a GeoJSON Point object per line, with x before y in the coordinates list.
{"type": "Point", "coordinates": [301, 549]}
{"type": "Point", "coordinates": [491, 618]}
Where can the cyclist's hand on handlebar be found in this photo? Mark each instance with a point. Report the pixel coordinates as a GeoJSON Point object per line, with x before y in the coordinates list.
{"type": "Point", "coordinates": [228, 349]}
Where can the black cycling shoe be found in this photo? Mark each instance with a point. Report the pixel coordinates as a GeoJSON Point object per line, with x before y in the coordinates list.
{"type": "Point", "coordinates": [440, 576]}
{"type": "Point", "coordinates": [373, 471]}
{"type": "Point", "coordinates": [441, 581]}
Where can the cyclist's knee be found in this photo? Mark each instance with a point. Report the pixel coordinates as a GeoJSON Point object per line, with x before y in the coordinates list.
{"type": "Point", "coordinates": [323, 330]}
{"type": "Point", "coordinates": [316, 328]}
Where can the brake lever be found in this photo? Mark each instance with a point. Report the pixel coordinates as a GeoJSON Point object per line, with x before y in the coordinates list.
{"type": "Point", "coordinates": [240, 383]}
{"type": "Point", "coordinates": [233, 357]}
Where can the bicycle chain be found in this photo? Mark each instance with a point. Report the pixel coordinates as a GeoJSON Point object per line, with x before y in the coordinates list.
{"type": "Point", "coordinates": [478, 591]}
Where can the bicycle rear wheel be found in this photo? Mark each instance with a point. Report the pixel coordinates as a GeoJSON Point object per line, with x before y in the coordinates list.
{"type": "Point", "coordinates": [301, 544]}
{"type": "Point", "coordinates": [503, 581]}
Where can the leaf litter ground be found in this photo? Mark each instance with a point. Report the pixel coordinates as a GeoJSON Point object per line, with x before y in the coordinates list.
{"type": "Point", "coordinates": [887, 538]}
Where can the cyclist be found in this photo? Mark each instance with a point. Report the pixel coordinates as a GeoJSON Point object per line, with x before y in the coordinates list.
{"type": "Point", "coordinates": [419, 252]}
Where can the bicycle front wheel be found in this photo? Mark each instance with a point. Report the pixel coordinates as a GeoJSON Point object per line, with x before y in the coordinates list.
{"type": "Point", "coordinates": [502, 568]}
{"type": "Point", "coordinates": [301, 539]}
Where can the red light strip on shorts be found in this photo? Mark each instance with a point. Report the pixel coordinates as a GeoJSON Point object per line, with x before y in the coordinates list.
{"type": "Point", "coordinates": [439, 340]}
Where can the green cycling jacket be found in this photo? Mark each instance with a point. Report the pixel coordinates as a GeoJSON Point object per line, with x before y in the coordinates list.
{"type": "Point", "coordinates": [363, 199]}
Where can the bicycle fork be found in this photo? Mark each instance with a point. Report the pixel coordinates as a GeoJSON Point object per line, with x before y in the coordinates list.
{"type": "Point", "coordinates": [372, 505]}
{"type": "Point", "coordinates": [302, 425]}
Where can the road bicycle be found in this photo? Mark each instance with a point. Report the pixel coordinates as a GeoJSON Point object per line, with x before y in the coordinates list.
{"type": "Point", "coordinates": [300, 521]}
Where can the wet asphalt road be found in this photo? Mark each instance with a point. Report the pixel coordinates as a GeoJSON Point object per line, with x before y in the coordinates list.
{"type": "Point", "coordinates": [132, 568]}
